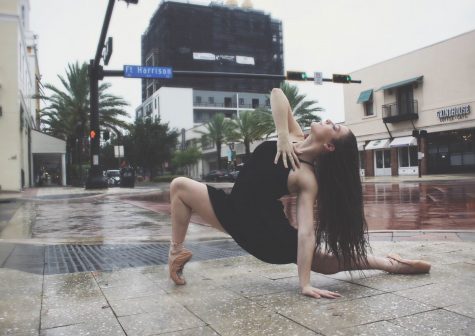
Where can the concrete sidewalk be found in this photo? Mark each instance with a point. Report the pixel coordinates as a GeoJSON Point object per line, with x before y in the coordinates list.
{"type": "Point", "coordinates": [243, 296]}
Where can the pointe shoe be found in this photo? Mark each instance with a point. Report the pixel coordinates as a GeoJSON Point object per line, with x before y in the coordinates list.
{"type": "Point", "coordinates": [407, 266]}
{"type": "Point", "coordinates": [176, 263]}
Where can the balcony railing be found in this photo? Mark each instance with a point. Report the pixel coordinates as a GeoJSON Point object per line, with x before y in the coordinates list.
{"type": "Point", "coordinates": [395, 112]}
{"type": "Point", "coordinates": [233, 105]}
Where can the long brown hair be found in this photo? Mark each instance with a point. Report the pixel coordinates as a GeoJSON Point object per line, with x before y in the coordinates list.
{"type": "Point", "coordinates": [341, 224]}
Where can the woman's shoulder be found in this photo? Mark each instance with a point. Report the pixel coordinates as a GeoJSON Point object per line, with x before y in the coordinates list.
{"type": "Point", "coordinates": [302, 180]}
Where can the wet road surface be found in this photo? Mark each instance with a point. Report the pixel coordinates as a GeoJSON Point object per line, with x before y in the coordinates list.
{"type": "Point", "coordinates": [404, 206]}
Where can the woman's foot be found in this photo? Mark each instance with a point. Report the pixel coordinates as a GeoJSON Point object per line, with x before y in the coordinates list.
{"type": "Point", "coordinates": [406, 266]}
{"type": "Point", "coordinates": [176, 263]}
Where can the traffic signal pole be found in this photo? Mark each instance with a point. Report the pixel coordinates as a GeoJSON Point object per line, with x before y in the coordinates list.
{"type": "Point", "coordinates": [201, 74]}
{"type": "Point", "coordinates": [95, 179]}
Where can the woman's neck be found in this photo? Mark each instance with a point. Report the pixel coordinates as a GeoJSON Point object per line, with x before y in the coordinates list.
{"type": "Point", "coordinates": [307, 149]}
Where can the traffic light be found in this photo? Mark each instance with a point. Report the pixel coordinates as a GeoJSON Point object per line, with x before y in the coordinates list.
{"type": "Point", "coordinates": [92, 134]}
{"type": "Point", "coordinates": [297, 75]}
{"type": "Point", "coordinates": [106, 135]}
{"type": "Point", "coordinates": [341, 78]}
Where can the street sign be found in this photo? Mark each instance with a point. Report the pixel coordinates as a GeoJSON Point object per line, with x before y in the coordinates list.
{"type": "Point", "coordinates": [139, 71]}
{"type": "Point", "coordinates": [318, 78]}
{"type": "Point", "coordinates": [119, 151]}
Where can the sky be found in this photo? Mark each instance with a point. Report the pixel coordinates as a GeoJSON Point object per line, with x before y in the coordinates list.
{"type": "Point", "coordinates": [329, 36]}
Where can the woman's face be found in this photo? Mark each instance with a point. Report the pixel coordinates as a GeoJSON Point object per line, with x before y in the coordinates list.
{"type": "Point", "coordinates": [326, 131]}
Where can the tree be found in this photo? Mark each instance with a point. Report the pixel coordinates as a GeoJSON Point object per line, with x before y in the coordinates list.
{"type": "Point", "coordinates": [303, 110]}
{"type": "Point", "coordinates": [250, 129]}
{"type": "Point", "coordinates": [188, 156]}
{"type": "Point", "coordinates": [149, 145]}
{"type": "Point", "coordinates": [219, 130]}
{"type": "Point", "coordinates": [68, 110]}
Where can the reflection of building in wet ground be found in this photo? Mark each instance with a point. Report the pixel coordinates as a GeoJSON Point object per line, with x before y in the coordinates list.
{"type": "Point", "coordinates": [421, 102]}
{"type": "Point", "coordinates": [192, 36]}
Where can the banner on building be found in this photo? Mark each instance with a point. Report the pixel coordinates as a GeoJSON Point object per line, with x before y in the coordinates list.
{"type": "Point", "coordinates": [227, 58]}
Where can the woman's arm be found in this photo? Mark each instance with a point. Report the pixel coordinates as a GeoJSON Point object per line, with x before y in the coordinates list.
{"type": "Point", "coordinates": [280, 110]}
{"type": "Point", "coordinates": [306, 237]}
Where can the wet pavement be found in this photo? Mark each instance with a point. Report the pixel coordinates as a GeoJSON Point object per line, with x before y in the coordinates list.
{"type": "Point", "coordinates": [81, 263]}
{"type": "Point", "coordinates": [243, 296]}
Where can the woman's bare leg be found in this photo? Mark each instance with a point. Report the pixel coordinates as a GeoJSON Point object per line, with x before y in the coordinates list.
{"type": "Point", "coordinates": [328, 264]}
{"type": "Point", "coordinates": [187, 196]}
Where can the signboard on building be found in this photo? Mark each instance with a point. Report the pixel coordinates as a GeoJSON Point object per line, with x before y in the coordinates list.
{"type": "Point", "coordinates": [453, 113]}
{"type": "Point", "coordinates": [139, 71]}
{"type": "Point", "coordinates": [247, 60]}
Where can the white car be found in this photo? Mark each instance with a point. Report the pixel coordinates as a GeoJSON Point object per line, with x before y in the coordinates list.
{"type": "Point", "coordinates": [113, 177]}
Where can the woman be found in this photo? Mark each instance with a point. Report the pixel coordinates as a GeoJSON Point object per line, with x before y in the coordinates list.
{"type": "Point", "coordinates": [321, 168]}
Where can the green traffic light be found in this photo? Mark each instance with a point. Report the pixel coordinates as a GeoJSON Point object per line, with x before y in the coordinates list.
{"type": "Point", "coordinates": [304, 76]}
{"type": "Point", "coordinates": [348, 78]}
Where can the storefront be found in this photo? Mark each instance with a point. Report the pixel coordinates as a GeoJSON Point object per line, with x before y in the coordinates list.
{"type": "Point", "coordinates": [413, 114]}
{"type": "Point", "coordinates": [451, 151]}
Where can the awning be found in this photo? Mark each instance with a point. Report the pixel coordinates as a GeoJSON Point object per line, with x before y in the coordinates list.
{"type": "Point", "coordinates": [403, 141]}
{"type": "Point", "coordinates": [377, 144]}
{"type": "Point", "coordinates": [365, 96]}
{"type": "Point", "coordinates": [401, 83]}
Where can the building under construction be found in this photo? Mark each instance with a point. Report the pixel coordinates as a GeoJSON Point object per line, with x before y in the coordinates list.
{"type": "Point", "coordinates": [216, 37]}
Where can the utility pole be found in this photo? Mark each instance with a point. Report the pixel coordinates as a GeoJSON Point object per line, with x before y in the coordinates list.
{"type": "Point", "coordinates": [95, 178]}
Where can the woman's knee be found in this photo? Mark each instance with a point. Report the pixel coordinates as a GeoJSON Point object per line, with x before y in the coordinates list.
{"type": "Point", "coordinates": [178, 184]}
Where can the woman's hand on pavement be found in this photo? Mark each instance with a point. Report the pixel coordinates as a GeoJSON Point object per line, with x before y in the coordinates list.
{"type": "Point", "coordinates": [319, 293]}
{"type": "Point", "coordinates": [287, 150]}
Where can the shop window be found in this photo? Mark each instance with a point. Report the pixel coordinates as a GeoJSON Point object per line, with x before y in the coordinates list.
{"type": "Point", "coordinates": [413, 156]}
{"type": "Point", "coordinates": [361, 156]}
{"type": "Point", "coordinates": [456, 159]}
{"type": "Point", "coordinates": [379, 159]}
{"type": "Point", "coordinates": [404, 157]}
{"type": "Point", "coordinates": [408, 156]}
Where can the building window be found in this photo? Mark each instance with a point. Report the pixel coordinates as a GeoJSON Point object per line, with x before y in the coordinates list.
{"type": "Point", "coordinates": [241, 101]}
{"type": "Point", "coordinates": [368, 108]}
{"type": "Point", "coordinates": [198, 99]}
{"type": "Point", "coordinates": [267, 102]}
{"type": "Point", "coordinates": [255, 103]}
{"type": "Point", "coordinates": [408, 157]}
{"type": "Point", "coordinates": [227, 102]}
{"type": "Point", "coordinates": [361, 155]}
{"type": "Point", "coordinates": [211, 100]}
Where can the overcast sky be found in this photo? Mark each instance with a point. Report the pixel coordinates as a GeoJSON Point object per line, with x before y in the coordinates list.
{"type": "Point", "coordinates": [331, 36]}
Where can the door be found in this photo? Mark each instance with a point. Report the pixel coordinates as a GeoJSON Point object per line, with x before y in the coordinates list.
{"type": "Point", "coordinates": [382, 162]}
{"type": "Point", "coordinates": [405, 97]}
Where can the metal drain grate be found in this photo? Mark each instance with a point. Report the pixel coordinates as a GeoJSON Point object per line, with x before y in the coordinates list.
{"type": "Point", "coordinates": [80, 258]}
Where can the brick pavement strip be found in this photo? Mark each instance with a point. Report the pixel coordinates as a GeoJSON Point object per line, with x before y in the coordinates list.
{"type": "Point", "coordinates": [242, 296]}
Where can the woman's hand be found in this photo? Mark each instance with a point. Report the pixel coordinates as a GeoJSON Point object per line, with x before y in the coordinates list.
{"type": "Point", "coordinates": [319, 293]}
{"type": "Point", "coordinates": [287, 150]}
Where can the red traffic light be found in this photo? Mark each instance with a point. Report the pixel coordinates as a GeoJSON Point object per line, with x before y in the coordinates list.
{"type": "Point", "coordinates": [92, 134]}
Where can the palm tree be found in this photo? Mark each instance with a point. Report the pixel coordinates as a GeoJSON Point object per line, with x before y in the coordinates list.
{"type": "Point", "coordinates": [250, 128]}
{"type": "Point", "coordinates": [67, 113]}
{"type": "Point", "coordinates": [219, 130]}
{"type": "Point", "coordinates": [303, 110]}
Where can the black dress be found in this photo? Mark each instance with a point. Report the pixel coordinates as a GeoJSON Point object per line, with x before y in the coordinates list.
{"type": "Point", "coordinates": [252, 213]}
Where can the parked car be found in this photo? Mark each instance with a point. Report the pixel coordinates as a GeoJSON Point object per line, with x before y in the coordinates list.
{"type": "Point", "coordinates": [220, 176]}
{"type": "Point", "coordinates": [113, 177]}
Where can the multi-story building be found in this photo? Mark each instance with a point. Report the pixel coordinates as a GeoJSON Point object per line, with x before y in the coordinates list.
{"type": "Point", "coordinates": [25, 153]}
{"type": "Point", "coordinates": [416, 110]}
{"type": "Point", "coordinates": [216, 38]}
